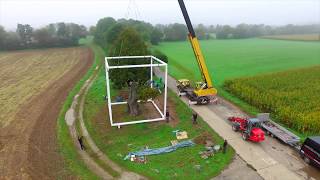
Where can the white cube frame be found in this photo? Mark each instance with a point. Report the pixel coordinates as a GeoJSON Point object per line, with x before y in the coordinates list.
{"type": "Point", "coordinates": [159, 63]}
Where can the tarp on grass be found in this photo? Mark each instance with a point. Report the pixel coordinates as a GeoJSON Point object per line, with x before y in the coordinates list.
{"type": "Point", "coordinates": [162, 150]}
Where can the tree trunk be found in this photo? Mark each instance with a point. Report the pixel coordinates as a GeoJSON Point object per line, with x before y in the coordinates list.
{"type": "Point", "coordinates": [133, 106]}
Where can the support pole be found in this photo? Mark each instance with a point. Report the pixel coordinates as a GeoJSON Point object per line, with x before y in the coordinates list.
{"type": "Point", "coordinates": [108, 91]}
{"type": "Point", "coordinates": [165, 90]}
{"type": "Point", "coordinates": [151, 72]}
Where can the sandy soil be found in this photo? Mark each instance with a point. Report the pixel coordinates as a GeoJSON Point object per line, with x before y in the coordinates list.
{"type": "Point", "coordinates": [28, 145]}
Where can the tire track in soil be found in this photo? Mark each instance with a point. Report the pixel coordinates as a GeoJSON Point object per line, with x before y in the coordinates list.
{"type": "Point", "coordinates": [29, 143]}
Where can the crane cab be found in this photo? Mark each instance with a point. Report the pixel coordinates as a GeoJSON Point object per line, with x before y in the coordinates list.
{"type": "Point", "coordinates": [199, 95]}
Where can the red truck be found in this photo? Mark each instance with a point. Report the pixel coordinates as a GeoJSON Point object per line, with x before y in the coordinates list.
{"type": "Point", "coordinates": [250, 128]}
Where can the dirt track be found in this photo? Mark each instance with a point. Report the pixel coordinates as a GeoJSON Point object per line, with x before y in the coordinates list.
{"type": "Point", "coordinates": [28, 145]}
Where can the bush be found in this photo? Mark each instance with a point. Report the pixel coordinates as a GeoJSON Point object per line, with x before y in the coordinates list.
{"type": "Point", "coordinates": [146, 93]}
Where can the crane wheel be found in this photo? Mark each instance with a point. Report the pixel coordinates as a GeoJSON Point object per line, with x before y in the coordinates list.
{"type": "Point", "coordinates": [203, 100]}
{"type": "Point", "coordinates": [306, 160]}
{"type": "Point", "coordinates": [244, 136]}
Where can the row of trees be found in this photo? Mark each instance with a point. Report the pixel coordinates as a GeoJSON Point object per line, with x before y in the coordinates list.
{"type": "Point", "coordinates": [247, 31]}
{"type": "Point", "coordinates": [108, 27]}
{"type": "Point", "coordinates": [178, 32]}
{"type": "Point", "coordinates": [107, 30]}
{"type": "Point", "coordinates": [52, 35]}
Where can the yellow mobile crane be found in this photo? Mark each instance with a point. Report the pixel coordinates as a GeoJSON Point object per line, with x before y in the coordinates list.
{"type": "Point", "coordinates": [204, 91]}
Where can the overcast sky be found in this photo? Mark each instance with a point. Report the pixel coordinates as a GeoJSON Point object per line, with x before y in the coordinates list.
{"type": "Point", "coordinates": [38, 13]}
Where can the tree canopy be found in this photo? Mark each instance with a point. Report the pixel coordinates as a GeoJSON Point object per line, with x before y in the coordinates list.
{"type": "Point", "coordinates": [129, 43]}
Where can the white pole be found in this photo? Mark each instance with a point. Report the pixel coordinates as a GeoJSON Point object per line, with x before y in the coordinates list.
{"type": "Point", "coordinates": [106, 63]}
{"type": "Point", "coordinates": [135, 66]}
{"type": "Point", "coordinates": [165, 89]}
{"type": "Point", "coordinates": [108, 95]}
{"type": "Point", "coordinates": [128, 57]}
{"type": "Point", "coordinates": [151, 72]}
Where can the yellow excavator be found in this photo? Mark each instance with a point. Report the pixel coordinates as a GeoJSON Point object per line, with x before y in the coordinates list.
{"type": "Point", "coordinates": [204, 92]}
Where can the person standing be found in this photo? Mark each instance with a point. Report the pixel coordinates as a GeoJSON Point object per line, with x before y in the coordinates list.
{"type": "Point", "coordinates": [225, 144]}
{"type": "Point", "coordinates": [80, 139]}
{"type": "Point", "coordinates": [194, 118]}
{"type": "Point", "coordinates": [167, 116]}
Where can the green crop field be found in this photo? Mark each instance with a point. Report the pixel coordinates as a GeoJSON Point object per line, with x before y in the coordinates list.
{"type": "Point", "coordinates": [237, 58]}
{"type": "Point", "coordinates": [295, 37]}
{"type": "Point", "coordinates": [292, 96]}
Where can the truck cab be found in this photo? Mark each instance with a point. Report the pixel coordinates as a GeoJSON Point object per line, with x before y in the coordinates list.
{"type": "Point", "coordinates": [310, 151]}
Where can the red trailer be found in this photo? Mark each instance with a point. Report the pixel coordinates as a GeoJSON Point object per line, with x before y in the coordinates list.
{"type": "Point", "coordinates": [250, 128]}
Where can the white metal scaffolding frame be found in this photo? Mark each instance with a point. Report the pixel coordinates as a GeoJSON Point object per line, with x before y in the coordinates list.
{"type": "Point", "coordinates": [158, 63]}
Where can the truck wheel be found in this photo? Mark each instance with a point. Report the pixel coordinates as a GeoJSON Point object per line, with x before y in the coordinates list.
{"type": "Point", "coordinates": [235, 127]}
{"type": "Point", "coordinates": [244, 136]}
{"type": "Point", "coordinates": [203, 100]}
{"type": "Point", "coordinates": [306, 160]}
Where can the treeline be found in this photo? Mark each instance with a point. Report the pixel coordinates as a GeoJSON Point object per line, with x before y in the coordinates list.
{"type": "Point", "coordinates": [248, 31]}
{"type": "Point", "coordinates": [53, 35]}
{"type": "Point", "coordinates": [107, 28]}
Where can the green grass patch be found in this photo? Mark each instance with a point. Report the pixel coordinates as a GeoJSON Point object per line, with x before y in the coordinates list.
{"type": "Point", "coordinates": [66, 147]}
{"type": "Point", "coordinates": [292, 96]}
{"type": "Point", "coordinates": [116, 143]}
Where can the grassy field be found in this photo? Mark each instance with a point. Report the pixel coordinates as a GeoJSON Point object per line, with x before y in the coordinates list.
{"type": "Point", "coordinates": [25, 74]}
{"type": "Point", "coordinates": [295, 37]}
{"type": "Point", "coordinates": [118, 143]}
{"type": "Point", "coordinates": [292, 96]}
{"type": "Point", "coordinates": [228, 59]}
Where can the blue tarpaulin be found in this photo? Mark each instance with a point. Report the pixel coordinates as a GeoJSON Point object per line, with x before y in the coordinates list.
{"type": "Point", "coordinates": [168, 149]}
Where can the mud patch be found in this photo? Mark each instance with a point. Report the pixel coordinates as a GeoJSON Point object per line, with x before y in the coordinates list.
{"type": "Point", "coordinates": [203, 138]}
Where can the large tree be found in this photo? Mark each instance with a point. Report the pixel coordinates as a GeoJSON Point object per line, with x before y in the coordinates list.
{"type": "Point", "coordinates": [129, 43]}
{"type": "Point", "coordinates": [101, 30]}
{"type": "Point", "coordinates": [113, 33]}
{"type": "Point", "coordinates": [25, 33]}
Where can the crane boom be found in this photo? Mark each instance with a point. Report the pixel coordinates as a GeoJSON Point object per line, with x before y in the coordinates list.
{"type": "Point", "coordinates": [196, 47]}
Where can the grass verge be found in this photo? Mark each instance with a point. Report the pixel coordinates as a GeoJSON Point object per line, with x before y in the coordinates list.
{"type": "Point", "coordinates": [66, 147]}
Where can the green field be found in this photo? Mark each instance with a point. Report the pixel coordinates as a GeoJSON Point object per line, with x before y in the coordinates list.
{"type": "Point", "coordinates": [292, 96]}
{"type": "Point", "coordinates": [237, 58]}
